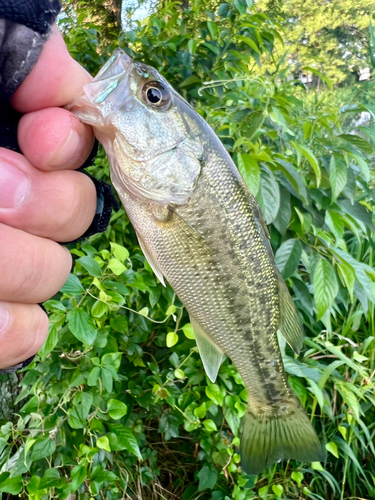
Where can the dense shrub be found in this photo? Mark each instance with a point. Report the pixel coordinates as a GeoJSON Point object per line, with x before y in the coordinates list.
{"type": "Point", "coordinates": [117, 404]}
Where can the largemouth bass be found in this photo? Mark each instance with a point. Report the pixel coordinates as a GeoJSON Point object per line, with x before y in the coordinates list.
{"type": "Point", "coordinates": [201, 229]}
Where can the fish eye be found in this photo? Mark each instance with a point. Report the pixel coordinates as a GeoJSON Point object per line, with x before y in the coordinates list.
{"type": "Point", "coordinates": [156, 94]}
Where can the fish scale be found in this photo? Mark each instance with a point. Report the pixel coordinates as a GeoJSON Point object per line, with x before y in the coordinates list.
{"type": "Point", "coordinates": [202, 230]}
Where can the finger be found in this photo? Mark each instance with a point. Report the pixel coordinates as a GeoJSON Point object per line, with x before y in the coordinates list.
{"type": "Point", "coordinates": [57, 205]}
{"type": "Point", "coordinates": [54, 138]}
{"type": "Point", "coordinates": [33, 269]}
{"type": "Point", "coordinates": [54, 81]}
{"type": "Point", "coordinates": [23, 330]}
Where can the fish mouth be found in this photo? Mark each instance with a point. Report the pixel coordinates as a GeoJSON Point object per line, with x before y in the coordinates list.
{"type": "Point", "coordinates": [109, 77]}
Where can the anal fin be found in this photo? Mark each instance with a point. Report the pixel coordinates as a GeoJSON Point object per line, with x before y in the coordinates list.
{"type": "Point", "coordinates": [290, 326]}
{"type": "Point", "coordinates": [211, 355]}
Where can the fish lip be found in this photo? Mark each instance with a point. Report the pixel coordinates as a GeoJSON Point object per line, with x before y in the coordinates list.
{"type": "Point", "coordinates": [109, 77]}
{"type": "Point", "coordinates": [117, 64]}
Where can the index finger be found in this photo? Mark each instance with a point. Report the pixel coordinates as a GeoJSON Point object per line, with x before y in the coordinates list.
{"type": "Point", "coordinates": [55, 79]}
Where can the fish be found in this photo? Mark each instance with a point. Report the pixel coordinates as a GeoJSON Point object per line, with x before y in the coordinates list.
{"type": "Point", "coordinates": [201, 229]}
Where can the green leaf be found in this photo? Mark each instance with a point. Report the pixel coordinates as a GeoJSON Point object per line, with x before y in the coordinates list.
{"type": "Point", "coordinates": [212, 28]}
{"type": "Point", "coordinates": [12, 486]}
{"type": "Point", "coordinates": [335, 224]}
{"type": "Point", "coordinates": [107, 379]}
{"type": "Point", "coordinates": [82, 402]}
{"type": "Point", "coordinates": [250, 171]}
{"type": "Point", "coordinates": [112, 359]}
{"type": "Point", "coordinates": [172, 339]}
{"type": "Point", "coordinates": [317, 466]}
{"type": "Point", "coordinates": [347, 277]}
{"type": "Point", "coordinates": [325, 286]}
{"type": "Point", "coordinates": [144, 312]}
{"type": "Point", "coordinates": [268, 195]}
{"type": "Point", "coordinates": [248, 41]}
{"type": "Point", "coordinates": [299, 388]}
{"type": "Point", "coordinates": [116, 409]}
{"type": "Point", "coordinates": [369, 132]}
{"type": "Point", "coordinates": [363, 165]}
{"type": "Point", "coordinates": [91, 266]}
{"type": "Point", "coordinates": [188, 331]}
{"type": "Point", "coordinates": [126, 438]}
{"type": "Point", "coordinates": [210, 425]}
{"type": "Point", "coordinates": [338, 177]}
{"type": "Point", "coordinates": [50, 343]}
{"type": "Point", "coordinates": [93, 376]}
{"type": "Point", "coordinates": [51, 478]}
{"type": "Point", "coordinates": [212, 47]}
{"type": "Point", "coordinates": [44, 447]}
{"type": "Point", "coordinates": [278, 490]}
{"type": "Point", "coordinates": [120, 252]}
{"type": "Point", "coordinates": [297, 477]}
{"type": "Point", "coordinates": [358, 142]}
{"type": "Point", "coordinates": [201, 411]}
{"type": "Point", "coordinates": [215, 393]}
{"type": "Point", "coordinates": [72, 286]}
{"type": "Point", "coordinates": [361, 215]}
{"type": "Point", "coordinates": [277, 117]}
{"type": "Point", "coordinates": [189, 81]}
{"type": "Point", "coordinates": [311, 158]}
{"type": "Point", "coordinates": [241, 6]}
{"type": "Point", "coordinates": [350, 399]}
{"type": "Point", "coordinates": [82, 326]}
{"type": "Point", "coordinates": [282, 220]}
{"type": "Point", "coordinates": [263, 492]}
{"type": "Point", "coordinates": [293, 177]}
{"type": "Point", "coordinates": [332, 448]}
{"type": "Point", "coordinates": [317, 391]}
{"type": "Point", "coordinates": [103, 443]}
{"type": "Point", "coordinates": [116, 267]}
{"type": "Point", "coordinates": [78, 475]}
{"type": "Point", "coordinates": [288, 257]}
{"type": "Point", "coordinates": [99, 309]}
{"type": "Point", "coordinates": [207, 478]}
{"type": "Point", "coordinates": [192, 46]}
{"type": "Point", "coordinates": [179, 374]}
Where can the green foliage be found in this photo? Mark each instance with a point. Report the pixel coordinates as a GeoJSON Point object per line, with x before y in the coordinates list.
{"type": "Point", "coordinates": [329, 37]}
{"type": "Point", "coordinates": [117, 404]}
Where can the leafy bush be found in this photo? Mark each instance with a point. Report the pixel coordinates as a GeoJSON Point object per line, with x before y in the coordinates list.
{"type": "Point", "coordinates": [117, 405]}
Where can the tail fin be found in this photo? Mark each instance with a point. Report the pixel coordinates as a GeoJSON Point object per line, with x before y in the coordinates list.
{"type": "Point", "coordinates": [266, 439]}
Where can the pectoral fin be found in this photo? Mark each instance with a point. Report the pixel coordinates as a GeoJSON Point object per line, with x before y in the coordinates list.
{"type": "Point", "coordinates": [154, 266]}
{"type": "Point", "coordinates": [290, 326]}
{"type": "Point", "coordinates": [211, 355]}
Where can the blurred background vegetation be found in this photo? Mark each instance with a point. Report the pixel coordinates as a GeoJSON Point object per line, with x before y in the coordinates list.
{"type": "Point", "coordinates": [117, 404]}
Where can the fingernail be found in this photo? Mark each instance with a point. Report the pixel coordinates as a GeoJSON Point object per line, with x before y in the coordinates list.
{"type": "Point", "coordinates": [4, 318]}
{"type": "Point", "coordinates": [13, 185]}
{"type": "Point", "coordinates": [68, 151]}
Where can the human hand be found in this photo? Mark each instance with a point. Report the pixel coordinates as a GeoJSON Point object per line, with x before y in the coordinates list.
{"type": "Point", "coordinates": [42, 199]}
